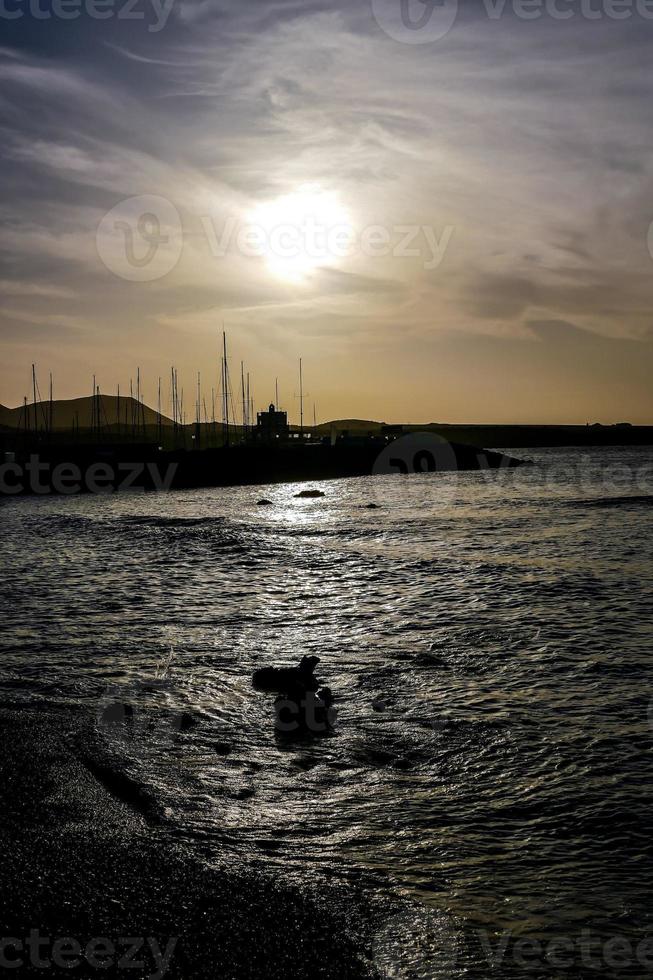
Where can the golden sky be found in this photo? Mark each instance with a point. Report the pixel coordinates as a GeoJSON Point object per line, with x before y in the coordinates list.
{"type": "Point", "coordinates": [450, 229]}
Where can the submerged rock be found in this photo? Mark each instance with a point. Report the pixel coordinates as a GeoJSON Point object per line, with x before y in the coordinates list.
{"type": "Point", "coordinates": [222, 748]}
{"type": "Point", "coordinates": [245, 793]}
{"type": "Point", "coordinates": [370, 506]}
{"type": "Point", "coordinates": [187, 721]}
{"type": "Point", "coordinates": [426, 659]}
{"type": "Point", "coordinates": [263, 503]}
{"type": "Point", "coordinates": [310, 493]}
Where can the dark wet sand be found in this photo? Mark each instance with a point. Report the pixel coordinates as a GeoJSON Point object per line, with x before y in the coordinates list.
{"type": "Point", "coordinates": [84, 856]}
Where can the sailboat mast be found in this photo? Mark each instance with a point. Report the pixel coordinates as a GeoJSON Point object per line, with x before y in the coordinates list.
{"type": "Point", "coordinates": [226, 386]}
{"type": "Point", "coordinates": [36, 421]}
{"type": "Point", "coordinates": [301, 402]}
{"type": "Point", "coordinates": [242, 392]}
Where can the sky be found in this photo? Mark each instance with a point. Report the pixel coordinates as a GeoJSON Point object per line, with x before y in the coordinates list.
{"type": "Point", "coordinates": [444, 209]}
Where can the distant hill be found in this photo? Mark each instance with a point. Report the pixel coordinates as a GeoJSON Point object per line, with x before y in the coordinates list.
{"type": "Point", "coordinates": [141, 422]}
{"type": "Point", "coordinates": [79, 412]}
{"type": "Point", "coordinates": [349, 425]}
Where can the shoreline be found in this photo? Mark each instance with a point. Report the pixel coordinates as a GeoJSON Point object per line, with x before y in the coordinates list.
{"type": "Point", "coordinates": [87, 864]}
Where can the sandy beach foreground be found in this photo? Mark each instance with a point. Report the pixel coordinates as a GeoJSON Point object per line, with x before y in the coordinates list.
{"type": "Point", "coordinates": [92, 884]}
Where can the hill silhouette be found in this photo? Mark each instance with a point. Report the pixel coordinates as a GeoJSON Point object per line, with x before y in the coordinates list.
{"type": "Point", "coordinates": [80, 413]}
{"type": "Point", "coordinates": [129, 419]}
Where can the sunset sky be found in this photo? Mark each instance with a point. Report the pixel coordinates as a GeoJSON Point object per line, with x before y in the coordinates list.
{"type": "Point", "coordinates": [515, 154]}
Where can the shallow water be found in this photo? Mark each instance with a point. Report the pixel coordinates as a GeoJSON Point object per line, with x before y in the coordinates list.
{"type": "Point", "coordinates": [501, 621]}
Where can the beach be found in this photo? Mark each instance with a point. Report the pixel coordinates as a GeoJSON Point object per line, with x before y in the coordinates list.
{"type": "Point", "coordinates": [92, 883]}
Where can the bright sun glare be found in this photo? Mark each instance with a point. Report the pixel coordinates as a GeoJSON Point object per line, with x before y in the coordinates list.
{"type": "Point", "coordinates": [301, 231]}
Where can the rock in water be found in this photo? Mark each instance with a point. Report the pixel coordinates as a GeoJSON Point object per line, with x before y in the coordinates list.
{"type": "Point", "coordinates": [310, 493]}
{"type": "Point", "coordinates": [288, 679]}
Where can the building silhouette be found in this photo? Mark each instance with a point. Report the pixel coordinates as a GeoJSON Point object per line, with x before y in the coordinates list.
{"type": "Point", "coordinates": [271, 426]}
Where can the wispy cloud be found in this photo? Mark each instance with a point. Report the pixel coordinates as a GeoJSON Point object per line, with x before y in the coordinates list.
{"type": "Point", "coordinates": [531, 141]}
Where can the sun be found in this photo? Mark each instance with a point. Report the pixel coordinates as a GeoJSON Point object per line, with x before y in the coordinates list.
{"type": "Point", "coordinates": [301, 232]}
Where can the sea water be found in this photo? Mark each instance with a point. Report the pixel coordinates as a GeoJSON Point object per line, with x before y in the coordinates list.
{"type": "Point", "coordinates": [488, 639]}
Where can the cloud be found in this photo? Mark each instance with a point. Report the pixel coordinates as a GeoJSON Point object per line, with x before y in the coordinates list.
{"type": "Point", "coordinates": [495, 131]}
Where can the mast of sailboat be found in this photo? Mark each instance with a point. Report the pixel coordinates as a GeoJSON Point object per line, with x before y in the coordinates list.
{"type": "Point", "coordinates": [198, 411]}
{"type": "Point", "coordinates": [141, 404]}
{"type": "Point", "coordinates": [276, 394]}
{"type": "Point", "coordinates": [173, 398]}
{"type": "Point", "coordinates": [242, 392]}
{"type": "Point", "coordinates": [36, 421]}
{"type": "Point", "coordinates": [98, 413]}
{"type": "Point", "coordinates": [301, 402]}
{"type": "Point", "coordinates": [158, 408]}
{"type": "Point", "coordinates": [226, 386]}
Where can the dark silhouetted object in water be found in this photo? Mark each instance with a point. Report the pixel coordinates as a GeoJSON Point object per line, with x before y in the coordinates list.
{"type": "Point", "coordinates": [309, 716]}
{"type": "Point", "coordinates": [288, 680]}
{"type": "Point", "coordinates": [302, 708]}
